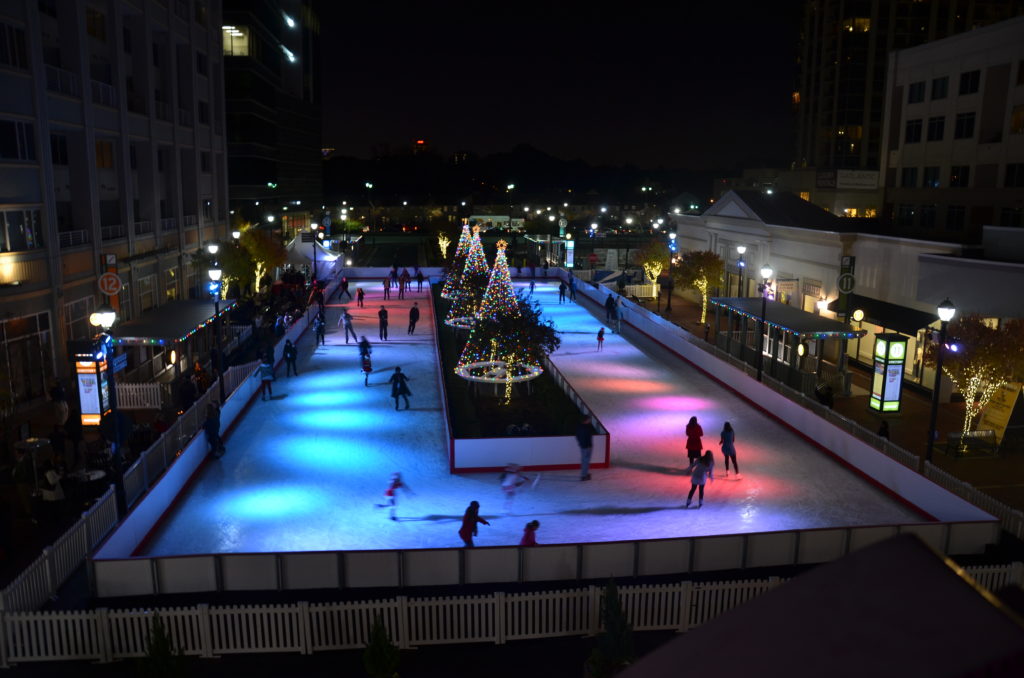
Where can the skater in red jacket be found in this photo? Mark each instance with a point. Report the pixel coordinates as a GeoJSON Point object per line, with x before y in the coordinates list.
{"type": "Point", "coordinates": [469, 521]}
{"type": "Point", "coordinates": [392, 493]}
{"type": "Point", "coordinates": [693, 444]}
{"type": "Point", "coordinates": [530, 534]}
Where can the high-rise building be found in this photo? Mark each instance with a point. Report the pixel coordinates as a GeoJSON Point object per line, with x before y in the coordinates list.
{"type": "Point", "coordinates": [272, 92]}
{"type": "Point", "coordinates": [112, 158]}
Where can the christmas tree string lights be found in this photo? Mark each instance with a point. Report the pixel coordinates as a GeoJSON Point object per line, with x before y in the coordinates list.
{"type": "Point", "coordinates": [472, 283]}
{"type": "Point", "coordinates": [499, 298]}
{"type": "Point", "coordinates": [451, 282]}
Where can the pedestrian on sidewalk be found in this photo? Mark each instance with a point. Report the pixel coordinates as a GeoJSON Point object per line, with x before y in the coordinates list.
{"type": "Point", "coordinates": [693, 444]}
{"type": "Point", "coordinates": [883, 429]}
{"type": "Point", "coordinates": [400, 387]}
{"type": "Point", "coordinates": [561, 292]}
{"type": "Point", "coordinates": [343, 288]}
{"type": "Point", "coordinates": [345, 320]}
{"type": "Point", "coordinates": [387, 287]}
{"type": "Point", "coordinates": [414, 316]}
{"type": "Point", "coordinates": [391, 493]}
{"type": "Point", "coordinates": [359, 296]}
{"type": "Point", "coordinates": [364, 360]}
{"type": "Point", "coordinates": [609, 307]}
{"type": "Point", "coordinates": [703, 471]}
{"type": "Point", "coordinates": [585, 438]}
{"type": "Point", "coordinates": [530, 533]}
{"type": "Point", "coordinates": [729, 449]}
{"type": "Point", "coordinates": [291, 354]}
{"type": "Point", "coordinates": [211, 427]}
{"type": "Point", "coordinates": [600, 340]}
{"type": "Point", "coordinates": [419, 279]}
{"type": "Point", "coordinates": [266, 376]}
{"type": "Point", "coordinates": [382, 317]}
{"type": "Point", "coordinates": [469, 522]}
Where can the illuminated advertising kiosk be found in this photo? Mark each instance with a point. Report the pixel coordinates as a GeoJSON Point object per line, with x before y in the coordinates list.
{"type": "Point", "coordinates": [90, 359]}
{"type": "Point", "coordinates": [887, 384]}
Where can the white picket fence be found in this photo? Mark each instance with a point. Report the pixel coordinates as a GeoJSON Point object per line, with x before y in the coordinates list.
{"type": "Point", "coordinates": [1011, 519]}
{"type": "Point", "coordinates": [139, 396]}
{"type": "Point", "coordinates": [204, 631]}
{"type": "Point", "coordinates": [642, 291]}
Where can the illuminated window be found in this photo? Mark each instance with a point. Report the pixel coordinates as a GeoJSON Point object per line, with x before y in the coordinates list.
{"type": "Point", "coordinates": [796, 98]}
{"type": "Point", "coordinates": [104, 154]}
{"type": "Point", "coordinates": [236, 40]}
{"type": "Point", "coordinates": [1017, 120]}
{"type": "Point", "coordinates": [870, 212]}
{"type": "Point", "coordinates": [805, 195]}
{"type": "Point", "coordinates": [959, 176]}
{"type": "Point", "coordinates": [850, 212]}
{"type": "Point", "coordinates": [857, 25]}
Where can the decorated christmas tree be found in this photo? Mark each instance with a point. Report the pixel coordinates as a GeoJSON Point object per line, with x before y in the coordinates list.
{"type": "Point", "coordinates": [472, 283]}
{"type": "Point", "coordinates": [499, 297]}
{"type": "Point", "coordinates": [458, 262]}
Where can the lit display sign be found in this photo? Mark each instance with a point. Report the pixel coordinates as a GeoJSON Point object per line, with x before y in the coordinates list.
{"type": "Point", "coordinates": [570, 253]}
{"type": "Point", "coordinates": [887, 384]}
{"type": "Point", "coordinates": [93, 385]}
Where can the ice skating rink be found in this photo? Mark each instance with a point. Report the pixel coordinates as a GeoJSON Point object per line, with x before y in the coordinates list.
{"type": "Point", "coordinates": [304, 470]}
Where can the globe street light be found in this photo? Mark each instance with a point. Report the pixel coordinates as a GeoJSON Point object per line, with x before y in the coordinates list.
{"type": "Point", "coordinates": [214, 287]}
{"type": "Point", "coordinates": [946, 311]}
{"type": "Point", "coordinates": [766, 274]}
{"type": "Point", "coordinates": [509, 188]}
{"type": "Point", "coordinates": [104, 318]}
{"type": "Point", "coordinates": [671, 260]}
{"type": "Point", "coordinates": [741, 265]}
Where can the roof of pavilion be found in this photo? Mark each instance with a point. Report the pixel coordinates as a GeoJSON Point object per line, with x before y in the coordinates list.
{"type": "Point", "coordinates": [173, 322]}
{"type": "Point", "coordinates": [790, 319]}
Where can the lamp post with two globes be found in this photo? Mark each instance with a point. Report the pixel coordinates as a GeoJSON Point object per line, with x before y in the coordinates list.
{"type": "Point", "coordinates": [946, 311]}
{"type": "Point", "coordinates": [766, 274]}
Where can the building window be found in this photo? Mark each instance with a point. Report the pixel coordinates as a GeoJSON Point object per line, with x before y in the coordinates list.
{"type": "Point", "coordinates": [201, 64]}
{"type": "Point", "coordinates": [959, 176]}
{"type": "Point", "coordinates": [59, 149]}
{"type": "Point", "coordinates": [956, 217]}
{"type": "Point", "coordinates": [200, 12]}
{"type": "Point", "coordinates": [21, 230]}
{"type": "Point", "coordinates": [908, 178]}
{"type": "Point", "coordinates": [104, 154]}
{"type": "Point", "coordinates": [904, 215]}
{"type": "Point", "coordinates": [969, 82]}
{"type": "Point", "coordinates": [203, 112]}
{"type": "Point", "coordinates": [927, 216]}
{"type": "Point", "coordinates": [915, 93]}
{"type": "Point", "coordinates": [162, 159]}
{"type": "Point", "coordinates": [147, 300]}
{"type": "Point", "coordinates": [12, 47]}
{"type": "Point", "coordinates": [1012, 216]}
{"type": "Point", "coordinates": [96, 24]}
{"type": "Point", "coordinates": [204, 162]}
{"type": "Point", "coordinates": [236, 40]}
{"type": "Point", "coordinates": [936, 128]}
{"type": "Point", "coordinates": [857, 25]}
{"type": "Point", "coordinates": [931, 177]}
{"type": "Point", "coordinates": [1017, 120]}
{"type": "Point", "coordinates": [964, 128]}
{"type": "Point", "coordinates": [26, 356]}
{"type": "Point", "coordinates": [1014, 175]}
{"type": "Point", "coordinates": [76, 318]}
{"type": "Point", "coordinates": [913, 131]}
{"type": "Point", "coordinates": [17, 140]}
{"type": "Point", "coordinates": [133, 156]}
{"type": "Point", "coordinates": [940, 87]}
{"type": "Point", "coordinates": [208, 210]}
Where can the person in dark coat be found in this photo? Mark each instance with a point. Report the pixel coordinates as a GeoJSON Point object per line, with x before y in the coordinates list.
{"type": "Point", "coordinates": [364, 359]}
{"type": "Point", "coordinates": [609, 306]}
{"type": "Point", "coordinates": [585, 438]}
{"type": "Point", "coordinates": [382, 316]}
{"type": "Point", "coordinates": [419, 280]}
{"type": "Point", "coordinates": [387, 287]}
{"type": "Point", "coordinates": [345, 319]}
{"type": "Point", "coordinates": [211, 427]}
{"type": "Point", "coordinates": [343, 288]}
{"type": "Point", "coordinates": [414, 316]}
{"type": "Point", "coordinates": [75, 436]}
{"type": "Point", "coordinates": [291, 355]}
{"type": "Point", "coordinates": [360, 294]}
{"type": "Point", "coordinates": [728, 443]}
{"type": "Point", "coordinates": [561, 292]}
{"type": "Point", "coordinates": [469, 522]}
{"type": "Point", "coordinates": [320, 327]}
{"type": "Point", "coordinates": [693, 444]}
{"type": "Point", "coordinates": [400, 387]}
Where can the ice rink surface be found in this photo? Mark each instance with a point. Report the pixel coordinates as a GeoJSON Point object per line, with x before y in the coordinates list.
{"type": "Point", "coordinates": [304, 471]}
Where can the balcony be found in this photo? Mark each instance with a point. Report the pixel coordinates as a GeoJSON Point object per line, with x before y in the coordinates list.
{"type": "Point", "coordinates": [104, 94]}
{"type": "Point", "coordinates": [191, 220]}
{"type": "Point", "coordinates": [72, 238]}
{"type": "Point", "coordinates": [185, 117]}
{"type": "Point", "coordinates": [112, 232]}
{"type": "Point", "coordinates": [62, 81]}
{"type": "Point", "coordinates": [168, 224]}
{"type": "Point", "coordinates": [143, 227]}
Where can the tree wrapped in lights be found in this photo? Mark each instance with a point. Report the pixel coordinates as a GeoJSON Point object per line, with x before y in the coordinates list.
{"type": "Point", "coordinates": [442, 242]}
{"type": "Point", "coordinates": [472, 284]}
{"type": "Point", "coordinates": [654, 259]}
{"type": "Point", "coordinates": [979, 359]}
{"type": "Point", "coordinates": [499, 297]}
{"type": "Point", "coordinates": [700, 270]}
{"type": "Point", "coordinates": [458, 262]}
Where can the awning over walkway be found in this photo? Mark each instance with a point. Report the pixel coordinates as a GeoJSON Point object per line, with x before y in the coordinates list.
{"type": "Point", "coordinates": [890, 316]}
{"type": "Point", "coordinates": [173, 322]}
{"type": "Point", "coordinates": [790, 319]}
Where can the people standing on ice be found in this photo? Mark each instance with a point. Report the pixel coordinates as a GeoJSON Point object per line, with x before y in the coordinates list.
{"type": "Point", "coordinates": [561, 292]}
{"type": "Point", "coordinates": [419, 279]}
{"type": "Point", "coordinates": [360, 294]}
{"type": "Point", "coordinates": [343, 288]}
{"type": "Point", "coordinates": [572, 287]}
{"type": "Point", "coordinates": [404, 283]}
{"type": "Point", "coordinates": [391, 493]}
{"type": "Point", "coordinates": [291, 355]}
{"type": "Point", "coordinates": [469, 522]}
{"type": "Point", "coordinates": [266, 375]}
{"type": "Point", "coordinates": [729, 449]}
{"type": "Point", "coordinates": [693, 444]}
{"type": "Point", "coordinates": [382, 317]}
{"type": "Point", "coordinates": [703, 471]}
{"type": "Point", "coordinates": [600, 339]}
{"type": "Point", "coordinates": [399, 387]}
{"type": "Point", "coordinates": [387, 287]}
{"type": "Point", "coordinates": [530, 533]}
{"type": "Point", "coordinates": [414, 316]}
{"type": "Point", "coordinates": [364, 360]}
{"type": "Point", "coordinates": [320, 328]}
{"type": "Point", "coordinates": [609, 307]}
{"type": "Point", "coordinates": [585, 439]}
{"type": "Point", "coordinates": [346, 320]}
{"type": "Point", "coordinates": [211, 427]}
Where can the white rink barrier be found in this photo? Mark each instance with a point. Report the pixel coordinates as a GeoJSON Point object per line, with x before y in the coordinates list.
{"type": "Point", "coordinates": [133, 576]}
{"type": "Point", "coordinates": [106, 635]}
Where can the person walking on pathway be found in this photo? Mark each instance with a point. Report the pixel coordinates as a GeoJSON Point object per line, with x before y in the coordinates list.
{"type": "Point", "coordinates": [585, 438]}
{"type": "Point", "coordinates": [470, 519]}
{"type": "Point", "coordinates": [211, 427]}
{"type": "Point", "coordinates": [729, 449]}
{"type": "Point", "coordinates": [343, 288]}
{"type": "Point", "coordinates": [291, 355]}
{"type": "Point", "coordinates": [266, 375]}
{"type": "Point", "coordinates": [391, 493]}
{"type": "Point", "coordinates": [572, 287]}
{"type": "Point", "coordinates": [609, 306]}
{"type": "Point", "coordinates": [693, 444]}
{"type": "Point", "coordinates": [364, 359]}
{"type": "Point", "coordinates": [561, 292]}
{"type": "Point", "coordinates": [346, 320]}
{"type": "Point", "coordinates": [600, 340]}
{"type": "Point", "coordinates": [703, 471]}
{"type": "Point", "coordinates": [400, 387]}
{"type": "Point", "coordinates": [387, 287]}
{"type": "Point", "coordinates": [414, 316]}
{"type": "Point", "coordinates": [382, 316]}
{"type": "Point", "coordinates": [359, 296]}
{"type": "Point", "coordinates": [419, 280]}
{"type": "Point", "coordinates": [530, 533]}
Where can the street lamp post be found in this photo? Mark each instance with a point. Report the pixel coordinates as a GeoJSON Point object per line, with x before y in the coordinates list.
{"type": "Point", "coordinates": [509, 189]}
{"type": "Point", "coordinates": [104, 318]}
{"type": "Point", "coordinates": [740, 265]}
{"type": "Point", "coordinates": [314, 229]}
{"type": "Point", "coordinates": [946, 311]}
{"type": "Point", "coordinates": [215, 274]}
{"type": "Point", "coordinates": [766, 274]}
{"type": "Point", "coordinates": [671, 280]}
{"type": "Point", "coordinates": [369, 200]}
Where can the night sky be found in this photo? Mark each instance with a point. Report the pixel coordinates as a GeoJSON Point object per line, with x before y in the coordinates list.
{"type": "Point", "coordinates": [698, 85]}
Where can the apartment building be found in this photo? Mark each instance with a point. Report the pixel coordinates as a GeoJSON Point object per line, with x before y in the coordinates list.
{"type": "Point", "coordinates": [112, 158]}
{"type": "Point", "coordinates": [954, 137]}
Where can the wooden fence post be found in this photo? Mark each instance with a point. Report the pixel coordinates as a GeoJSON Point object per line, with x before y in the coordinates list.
{"type": "Point", "coordinates": [51, 574]}
{"type": "Point", "coordinates": [499, 622]}
{"type": "Point", "coordinates": [304, 640]}
{"type": "Point", "coordinates": [594, 594]}
{"type": "Point", "coordinates": [3, 634]}
{"type": "Point", "coordinates": [686, 604]}
{"type": "Point", "coordinates": [1017, 573]}
{"type": "Point", "coordinates": [205, 630]}
{"type": "Point", "coordinates": [102, 623]}
{"type": "Point", "coordinates": [403, 623]}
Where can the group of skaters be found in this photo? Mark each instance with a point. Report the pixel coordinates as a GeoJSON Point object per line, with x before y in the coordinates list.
{"type": "Point", "coordinates": [702, 463]}
{"type": "Point", "coordinates": [402, 281]}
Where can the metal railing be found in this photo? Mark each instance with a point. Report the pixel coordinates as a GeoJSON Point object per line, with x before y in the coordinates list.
{"type": "Point", "coordinates": [168, 224]}
{"type": "Point", "coordinates": [104, 94]}
{"type": "Point", "coordinates": [143, 227]}
{"type": "Point", "coordinates": [62, 81]}
{"type": "Point", "coordinates": [191, 220]}
{"type": "Point", "coordinates": [73, 238]}
{"type": "Point", "coordinates": [112, 232]}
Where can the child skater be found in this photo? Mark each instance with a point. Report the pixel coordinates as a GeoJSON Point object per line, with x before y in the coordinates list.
{"type": "Point", "coordinates": [600, 339]}
{"type": "Point", "coordinates": [703, 471]}
{"type": "Point", "coordinates": [511, 480]}
{"type": "Point", "coordinates": [392, 493]}
{"type": "Point", "coordinates": [530, 534]}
